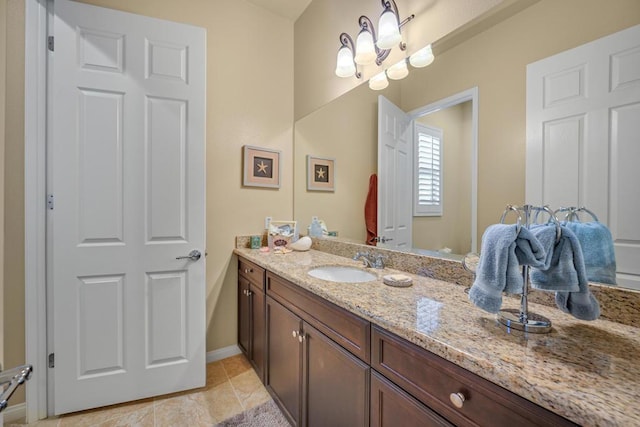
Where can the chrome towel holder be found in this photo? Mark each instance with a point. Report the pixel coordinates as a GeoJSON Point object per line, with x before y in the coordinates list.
{"type": "Point", "coordinates": [521, 319]}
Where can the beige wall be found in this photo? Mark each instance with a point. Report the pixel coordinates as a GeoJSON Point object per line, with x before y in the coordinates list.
{"type": "Point", "coordinates": [453, 229]}
{"type": "Point", "coordinates": [249, 101]}
{"type": "Point", "coordinates": [346, 130]}
{"type": "Point", "coordinates": [13, 259]}
{"type": "Point", "coordinates": [3, 73]}
{"type": "Point", "coordinates": [317, 40]}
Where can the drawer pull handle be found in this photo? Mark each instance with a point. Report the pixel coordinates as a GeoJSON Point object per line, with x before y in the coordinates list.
{"type": "Point", "coordinates": [248, 270]}
{"type": "Point", "coordinates": [457, 399]}
{"type": "Point", "coordinates": [294, 334]}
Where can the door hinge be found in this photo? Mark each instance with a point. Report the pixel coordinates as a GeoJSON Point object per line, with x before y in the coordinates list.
{"type": "Point", "coordinates": [50, 202]}
{"type": "Point", "coordinates": [52, 360]}
{"type": "Point", "coordinates": [50, 43]}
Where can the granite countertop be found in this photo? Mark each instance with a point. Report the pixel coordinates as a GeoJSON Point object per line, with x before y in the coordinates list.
{"type": "Point", "coordinates": [587, 372]}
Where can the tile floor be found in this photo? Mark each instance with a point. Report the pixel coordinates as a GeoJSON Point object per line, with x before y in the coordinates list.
{"type": "Point", "coordinates": [232, 387]}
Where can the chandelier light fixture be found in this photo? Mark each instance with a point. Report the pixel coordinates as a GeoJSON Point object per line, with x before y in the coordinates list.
{"type": "Point", "coordinates": [374, 47]}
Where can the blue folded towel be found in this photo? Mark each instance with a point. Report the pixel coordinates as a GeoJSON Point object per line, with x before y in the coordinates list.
{"type": "Point", "coordinates": [597, 248]}
{"type": "Point", "coordinates": [504, 249]}
{"type": "Point", "coordinates": [558, 272]}
{"type": "Point", "coordinates": [581, 304]}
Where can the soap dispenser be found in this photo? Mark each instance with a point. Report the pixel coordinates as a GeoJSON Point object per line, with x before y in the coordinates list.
{"type": "Point", "coordinates": [315, 229]}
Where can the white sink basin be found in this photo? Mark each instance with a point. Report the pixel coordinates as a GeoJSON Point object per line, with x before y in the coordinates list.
{"type": "Point", "coordinates": [342, 274]}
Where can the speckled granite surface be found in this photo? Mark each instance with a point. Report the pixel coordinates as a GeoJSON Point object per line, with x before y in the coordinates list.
{"type": "Point", "coordinates": [587, 372]}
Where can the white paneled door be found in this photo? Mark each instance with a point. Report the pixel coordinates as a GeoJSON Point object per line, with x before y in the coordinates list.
{"type": "Point", "coordinates": [126, 182]}
{"type": "Point", "coordinates": [583, 138]}
{"type": "Point", "coordinates": [395, 170]}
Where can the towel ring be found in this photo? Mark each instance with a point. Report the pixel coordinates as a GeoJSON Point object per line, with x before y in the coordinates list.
{"type": "Point", "coordinates": [552, 218]}
{"type": "Point", "coordinates": [572, 212]}
{"type": "Point", "coordinates": [527, 209]}
{"type": "Point", "coordinates": [511, 208]}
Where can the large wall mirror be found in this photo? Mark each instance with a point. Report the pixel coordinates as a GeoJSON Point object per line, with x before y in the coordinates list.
{"type": "Point", "coordinates": [346, 128]}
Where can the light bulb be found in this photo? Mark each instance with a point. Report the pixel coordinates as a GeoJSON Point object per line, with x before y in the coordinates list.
{"type": "Point", "coordinates": [388, 30]}
{"type": "Point", "coordinates": [379, 81]}
{"type": "Point", "coordinates": [398, 71]}
{"type": "Point", "coordinates": [345, 66]}
{"type": "Point", "coordinates": [422, 58]}
{"type": "Point", "coordinates": [365, 50]}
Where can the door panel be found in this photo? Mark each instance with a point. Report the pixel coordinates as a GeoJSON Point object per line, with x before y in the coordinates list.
{"type": "Point", "coordinates": [166, 161]}
{"type": "Point", "coordinates": [337, 384]}
{"type": "Point", "coordinates": [127, 175]}
{"type": "Point", "coordinates": [582, 126]}
{"type": "Point", "coordinates": [284, 369]}
{"type": "Point", "coordinates": [395, 165]}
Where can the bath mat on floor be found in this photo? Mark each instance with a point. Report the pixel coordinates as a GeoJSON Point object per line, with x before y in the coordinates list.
{"type": "Point", "coordinates": [266, 415]}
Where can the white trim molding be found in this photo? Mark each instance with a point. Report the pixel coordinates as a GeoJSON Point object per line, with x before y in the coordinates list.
{"type": "Point", "coordinates": [35, 213]}
{"type": "Point", "coordinates": [222, 353]}
{"type": "Point", "coordinates": [14, 413]}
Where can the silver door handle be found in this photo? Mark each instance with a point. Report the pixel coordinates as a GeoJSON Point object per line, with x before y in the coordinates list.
{"type": "Point", "coordinates": [194, 255]}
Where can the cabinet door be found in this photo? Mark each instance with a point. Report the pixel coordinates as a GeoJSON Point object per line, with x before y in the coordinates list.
{"type": "Point", "coordinates": [284, 359]}
{"type": "Point", "coordinates": [244, 316]}
{"type": "Point", "coordinates": [390, 407]}
{"type": "Point", "coordinates": [258, 331]}
{"type": "Point", "coordinates": [336, 384]}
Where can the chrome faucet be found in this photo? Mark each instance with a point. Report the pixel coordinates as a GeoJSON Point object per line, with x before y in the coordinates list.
{"type": "Point", "coordinates": [370, 260]}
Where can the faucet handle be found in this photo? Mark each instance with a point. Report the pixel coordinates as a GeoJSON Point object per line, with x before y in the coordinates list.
{"type": "Point", "coordinates": [380, 260]}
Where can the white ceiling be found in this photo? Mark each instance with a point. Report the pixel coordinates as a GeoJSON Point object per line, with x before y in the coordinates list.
{"type": "Point", "coordinates": [290, 9]}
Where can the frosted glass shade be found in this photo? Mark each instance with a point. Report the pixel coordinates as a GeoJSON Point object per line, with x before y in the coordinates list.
{"type": "Point", "coordinates": [365, 49]}
{"type": "Point", "coordinates": [422, 58]}
{"type": "Point", "coordinates": [388, 30]}
{"type": "Point", "coordinates": [378, 82]}
{"type": "Point", "coordinates": [398, 71]}
{"type": "Point", "coordinates": [345, 67]}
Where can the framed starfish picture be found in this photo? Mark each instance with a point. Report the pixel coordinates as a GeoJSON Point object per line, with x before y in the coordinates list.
{"type": "Point", "coordinates": [261, 167]}
{"type": "Point", "coordinates": [320, 174]}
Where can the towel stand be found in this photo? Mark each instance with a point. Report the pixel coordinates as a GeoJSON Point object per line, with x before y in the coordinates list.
{"type": "Point", "coordinates": [10, 380]}
{"type": "Point", "coordinates": [521, 319]}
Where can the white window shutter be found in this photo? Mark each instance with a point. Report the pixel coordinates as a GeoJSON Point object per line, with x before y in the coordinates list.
{"type": "Point", "coordinates": [428, 176]}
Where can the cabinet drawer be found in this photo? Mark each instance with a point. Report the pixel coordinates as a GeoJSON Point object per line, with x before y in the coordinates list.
{"type": "Point", "coordinates": [391, 406]}
{"type": "Point", "coordinates": [347, 329]}
{"type": "Point", "coordinates": [432, 380]}
{"type": "Point", "coordinates": [252, 272]}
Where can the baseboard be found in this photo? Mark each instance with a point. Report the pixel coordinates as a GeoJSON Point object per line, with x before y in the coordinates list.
{"type": "Point", "coordinates": [223, 353]}
{"type": "Point", "coordinates": [15, 413]}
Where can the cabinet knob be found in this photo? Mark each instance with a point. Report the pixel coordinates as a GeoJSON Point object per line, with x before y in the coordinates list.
{"type": "Point", "coordinates": [249, 293]}
{"type": "Point", "coordinates": [294, 334]}
{"type": "Point", "coordinates": [248, 270]}
{"type": "Point", "coordinates": [301, 337]}
{"type": "Point", "coordinates": [457, 399]}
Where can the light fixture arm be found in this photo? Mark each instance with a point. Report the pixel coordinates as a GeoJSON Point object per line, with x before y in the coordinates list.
{"type": "Point", "coordinates": [391, 4]}
{"type": "Point", "coordinates": [366, 24]}
{"type": "Point", "coordinates": [346, 40]}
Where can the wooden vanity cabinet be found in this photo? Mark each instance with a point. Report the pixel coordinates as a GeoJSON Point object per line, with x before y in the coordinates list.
{"type": "Point", "coordinates": [458, 395]}
{"type": "Point", "coordinates": [325, 366]}
{"type": "Point", "coordinates": [251, 314]}
{"type": "Point", "coordinates": [314, 379]}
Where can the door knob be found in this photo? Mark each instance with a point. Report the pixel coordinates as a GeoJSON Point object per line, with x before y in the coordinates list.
{"type": "Point", "coordinates": [194, 255]}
